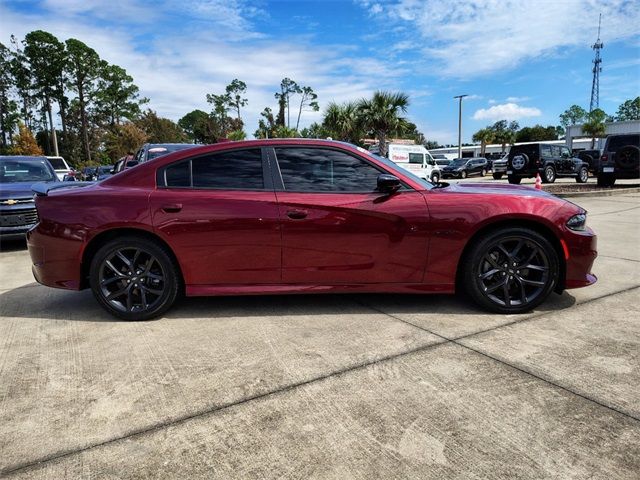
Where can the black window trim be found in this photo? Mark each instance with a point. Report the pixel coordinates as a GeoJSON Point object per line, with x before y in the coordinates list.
{"type": "Point", "coordinates": [278, 182]}
{"type": "Point", "coordinates": [161, 173]}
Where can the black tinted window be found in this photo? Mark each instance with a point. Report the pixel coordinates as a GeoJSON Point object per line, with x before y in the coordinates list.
{"type": "Point", "coordinates": [323, 170]}
{"type": "Point", "coordinates": [616, 143]}
{"type": "Point", "coordinates": [178, 175]}
{"type": "Point", "coordinates": [236, 170]}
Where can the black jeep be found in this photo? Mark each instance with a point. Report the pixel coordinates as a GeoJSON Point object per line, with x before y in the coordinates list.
{"type": "Point", "coordinates": [550, 161]}
{"type": "Point", "coordinates": [620, 159]}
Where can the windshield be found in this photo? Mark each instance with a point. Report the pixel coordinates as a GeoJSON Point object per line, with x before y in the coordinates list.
{"type": "Point", "coordinates": [392, 166]}
{"type": "Point", "coordinates": [106, 169]}
{"type": "Point", "coordinates": [16, 171]}
{"type": "Point", "coordinates": [458, 162]}
{"type": "Point", "coordinates": [57, 163]}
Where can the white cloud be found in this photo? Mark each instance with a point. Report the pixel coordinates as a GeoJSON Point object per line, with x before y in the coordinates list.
{"type": "Point", "coordinates": [517, 99]}
{"type": "Point", "coordinates": [176, 70]}
{"type": "Point", "coordinates": [376, 8]}
{"type": "Point", "coordinates": [479, 37]}
{"type": "Point", "coordinates": [507, 111]}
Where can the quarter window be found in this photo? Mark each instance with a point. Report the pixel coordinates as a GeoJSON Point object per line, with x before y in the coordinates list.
{"type": "Point", "coordinates": [324, 170]}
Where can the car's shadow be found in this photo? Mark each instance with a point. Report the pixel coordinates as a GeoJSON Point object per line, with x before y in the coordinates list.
{"type": "Point", "coordinates": [36, 301]}
{"type": "Point", "coordinates": [13, 245]}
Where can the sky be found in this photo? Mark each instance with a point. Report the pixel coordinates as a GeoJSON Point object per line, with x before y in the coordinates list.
{"type": "Point", "coordinates": [523, 60]}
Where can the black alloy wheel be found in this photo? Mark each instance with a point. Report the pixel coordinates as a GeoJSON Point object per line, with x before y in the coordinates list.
{"type": "Point", "coordinates": [511, 270]}
{"type": "Point", "coordinates": [134, 279]}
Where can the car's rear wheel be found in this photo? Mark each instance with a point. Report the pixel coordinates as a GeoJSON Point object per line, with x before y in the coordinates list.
{"type": "Point", "coordinates": [511, 270]}
{"type": "Point", "coordinates": [514, 180]}
{"type": "Point", "coordinates": [463, 174]}
{"type": "Point", "coordinates": [583, 175]}
{"type": "Point", "coordinates": [134, 278]}
{"type": "Point", "coordinates": [549, 174]}
{"type": "Point", "coordinates": [497, 176]}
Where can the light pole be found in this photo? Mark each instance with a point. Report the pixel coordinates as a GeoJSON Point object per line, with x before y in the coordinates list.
{"type": "Point", "coordinates": [460, 97]}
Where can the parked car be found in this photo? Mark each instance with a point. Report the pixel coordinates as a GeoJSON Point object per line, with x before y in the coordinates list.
{"type": "Point", "coordinates": [101, 172]}
{"type": "Point", "coordinates": [499, 167]}
{"type": "Point", "coordinates": [303, 216]}
{"type": "Point", "coordinates": [17, 208]}
{"type": "Point", "coordinates": [550, 161]}
{"type": "Point", "coordinates": [149, 151]}
{"type": "Point", "coordinates": [620, 159]}
{"type": "Point", "coordinates": [465, 167]}
{"type": "Point", "coordinates": [87, 173]}
{"type": "Point", "coordinates": [442, 162]}
{"type": "Point", "coordinates": [61, 167]}
{"type": "Point", "coordinates": [591, 157]}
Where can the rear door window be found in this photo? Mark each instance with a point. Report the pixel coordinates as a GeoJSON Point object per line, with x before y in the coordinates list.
{"type": "Point", "coordinates": [234, 170]}
{"type": "Point", "coordinates": [546, 150]}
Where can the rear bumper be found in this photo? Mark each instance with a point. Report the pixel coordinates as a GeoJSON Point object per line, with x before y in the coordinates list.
{"type": "Point", "coordinates": [582, 250]}
{"type": "Point", "coordinates": [55, 260]}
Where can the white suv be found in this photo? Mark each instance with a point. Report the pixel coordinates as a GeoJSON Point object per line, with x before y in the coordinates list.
{"type": "Point", "coordinates": [61, 167]}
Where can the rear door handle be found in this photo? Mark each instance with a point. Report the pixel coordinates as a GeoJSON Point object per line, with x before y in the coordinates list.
{"type": "Point", "coordinates": [297, 214]}
{"type": "Point", "coordinates": [172, 208]}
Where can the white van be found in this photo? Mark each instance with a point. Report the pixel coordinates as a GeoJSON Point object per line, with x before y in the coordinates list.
{"type": "Point", "coordinates": [416, 159]}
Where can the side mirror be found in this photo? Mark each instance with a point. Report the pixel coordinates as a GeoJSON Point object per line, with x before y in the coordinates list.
{"type": "Point", "coordinates": [388, 183]}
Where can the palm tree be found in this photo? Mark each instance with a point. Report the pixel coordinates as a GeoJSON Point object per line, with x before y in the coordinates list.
{"type": "Point", "coordinates": [381, 115]}
{"type": "Point", "coordinates": [343, 122]}
{"type": "Point", "coordinates": [483, 136]}
{"type": "Point", "coordinates": [594, 125]}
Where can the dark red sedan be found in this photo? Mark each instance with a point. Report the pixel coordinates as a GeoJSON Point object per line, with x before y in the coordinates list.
{"type": "Point", "coordinates": [303, 216]}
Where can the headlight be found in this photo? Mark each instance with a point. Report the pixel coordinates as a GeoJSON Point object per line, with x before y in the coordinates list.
{"type": "Point", "coordinates": [577, 222]}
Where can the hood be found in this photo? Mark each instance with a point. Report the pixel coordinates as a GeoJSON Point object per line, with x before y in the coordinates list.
{"type": "Point", "coordinates": [16, 190]}
{"type": "Point", "coordinates": [497, 189]}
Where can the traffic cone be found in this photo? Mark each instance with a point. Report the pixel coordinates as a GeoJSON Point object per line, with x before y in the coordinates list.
{"type": "Point", "coordinates": [538, 182]}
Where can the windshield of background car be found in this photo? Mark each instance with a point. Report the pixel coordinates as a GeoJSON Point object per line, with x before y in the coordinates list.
{"type": "Point", "coordinates": [155, 152]}
{"type": "Point", "coordinates": [616, 143]}
{"type": "Point", "coordinates": [458, 162]}
{"type": "Point", "coordinates": [16, 171]}
{"type": "Point", "coordinates": [395, 168]}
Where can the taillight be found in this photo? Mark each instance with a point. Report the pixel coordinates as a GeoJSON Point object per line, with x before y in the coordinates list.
{"type": "Point", "coordinates": [604, 158]}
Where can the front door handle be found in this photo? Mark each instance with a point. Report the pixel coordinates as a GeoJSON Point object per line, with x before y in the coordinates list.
{"type": "Point", "coordinates": [297, 214]}
{"type": "Point", "coordinates": [172, 208]}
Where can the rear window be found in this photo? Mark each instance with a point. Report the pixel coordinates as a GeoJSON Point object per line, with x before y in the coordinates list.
{"type": "Point", "coordinates": [57, 163]}
{"type": "Point", "coordinates": [529, 150]}
{"type": "Point", "coordinates": [155, 152]}
{"type": "Point", "coordinates": [616, 143]}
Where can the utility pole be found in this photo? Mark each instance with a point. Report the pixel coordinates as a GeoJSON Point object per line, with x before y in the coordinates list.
{"type": "Point", "coordinates": [460, 97]}
{"type": "Point", "coordinates": [595, 85]}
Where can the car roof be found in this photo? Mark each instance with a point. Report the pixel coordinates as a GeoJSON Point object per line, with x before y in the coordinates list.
{"type": "Point", "coordinates": [23, 157]}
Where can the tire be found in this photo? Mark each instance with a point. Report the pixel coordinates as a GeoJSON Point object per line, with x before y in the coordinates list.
{"type": "Point", "coordinates": [549, 174]}
{"type": "Point", "coordinates": [111, 276]}
{"type": "Point", "coordinates": [606, 180]}
{"type": "Point", "coordinates": [497, 176]}
{"type": "Point", "coordinates": [463, 174]}
{"type": "Point", "coordinates": [435, 178]}
{"type": "Point", "coordinates": [483, 172]}
{"type": "Point", "coordinates": [583, 175]}
{"type": "Point", "coordinates": [514, 288]}
{"type": "Point", "coordinates": [521, 163]}
{"type": "Point", "coordinates": [514, 180]}
{"type": "Point", "coordinates": [628, 158]}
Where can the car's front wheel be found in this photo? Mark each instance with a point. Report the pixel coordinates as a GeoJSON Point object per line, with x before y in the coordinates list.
{"type": "Point", "coordinates": [435, 178]}
{"type": "Point", "coordinates": [511, 270]}
{"type": "Point", "coordinates": [463, 174]}
{"type": "Point", "coordinates": [483, 172]}
{"type": "Point", "coordinates": [134, 278]}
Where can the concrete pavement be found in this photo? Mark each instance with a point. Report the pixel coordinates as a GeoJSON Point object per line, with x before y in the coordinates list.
{"type": "Point", "coordinates": [353, 386]}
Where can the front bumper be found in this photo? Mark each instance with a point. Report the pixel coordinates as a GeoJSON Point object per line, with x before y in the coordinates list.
{"type": "Point", "coordinates": [581, 249]}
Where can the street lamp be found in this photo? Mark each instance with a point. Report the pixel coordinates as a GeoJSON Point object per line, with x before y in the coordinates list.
{"type": "Point", "coordinates": [460, 97]}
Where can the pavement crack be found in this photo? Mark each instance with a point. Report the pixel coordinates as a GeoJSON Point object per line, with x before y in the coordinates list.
{"type": "Point", "coordinates": [212, 410]}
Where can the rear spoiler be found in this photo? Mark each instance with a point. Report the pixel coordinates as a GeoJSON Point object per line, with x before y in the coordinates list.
{"type": "Point", "coordinates": [43, 189]}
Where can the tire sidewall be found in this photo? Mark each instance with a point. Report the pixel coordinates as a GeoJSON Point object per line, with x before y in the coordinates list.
{"type": "Point", "coordinates": [172, 278]}
{"type": "Point", "coordinates": [549, 174]}
{"type": "Point", "coordinates": [478, 250]}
